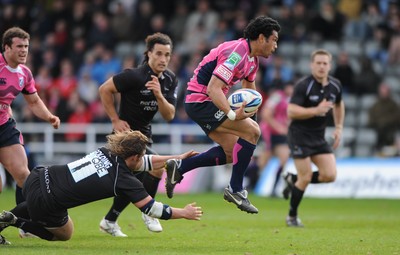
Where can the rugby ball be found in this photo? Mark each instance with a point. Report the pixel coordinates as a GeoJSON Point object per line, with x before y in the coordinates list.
{"type": "Point", "coordinates": [252, 97]}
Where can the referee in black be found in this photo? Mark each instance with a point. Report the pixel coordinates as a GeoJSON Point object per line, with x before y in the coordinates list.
{"type": "Point", "coordinates": [315, 99]}
{"type": "Point", "coordinates": [144, 91]}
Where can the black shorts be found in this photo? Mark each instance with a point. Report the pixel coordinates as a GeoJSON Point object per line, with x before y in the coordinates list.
{"type": "Point", "coordinates": [9, 134]}
{"type": "Point", "coordinates": [38, 208]}
{"type": "Point", "coordinates": [278, 140]}
{"type": "Point", "coordinates": [206, 115]}
{"type": "Point", "coordinates": [305, 144]}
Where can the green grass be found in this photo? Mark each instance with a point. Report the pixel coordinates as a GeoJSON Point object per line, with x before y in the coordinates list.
{"type": "Point", "coordinates": [333, 226]}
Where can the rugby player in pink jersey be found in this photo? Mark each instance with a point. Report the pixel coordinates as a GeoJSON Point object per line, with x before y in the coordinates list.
{"type": "Point", "coordinates": [206, 103]}
{"type": "Point", "coordinates": [274, 124]}
{"type": "Point", "coordinates": [16, 78]}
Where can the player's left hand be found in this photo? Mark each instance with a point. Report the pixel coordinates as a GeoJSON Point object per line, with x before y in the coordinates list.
{"type": "Point", "coordinates": [336, 136]}
{"type": "Point", "coordinates": [54, 121]}
{"type": "Point", "coordinates": [193, 212]}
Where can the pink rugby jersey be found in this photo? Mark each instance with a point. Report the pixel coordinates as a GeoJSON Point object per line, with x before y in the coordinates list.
{"type": "Point", "coordinates": [12, 82]}
{"type": "Point", "coordinates": [279, 102]}
{"type": "Point", "coordinates": [230, 62]}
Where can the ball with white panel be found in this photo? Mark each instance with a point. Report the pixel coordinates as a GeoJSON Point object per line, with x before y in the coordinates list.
{"type": "Point", "coordinates": [252, 97]}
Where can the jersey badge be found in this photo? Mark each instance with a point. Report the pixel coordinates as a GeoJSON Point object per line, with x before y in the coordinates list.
{"type": "Point", "coordinates": [224, 72]}
{"type": "Point", "coordinates": [232, 60]}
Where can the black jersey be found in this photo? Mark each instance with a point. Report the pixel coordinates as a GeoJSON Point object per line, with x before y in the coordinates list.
{"type": "Point", "coordinates": [309, 93]}
{"type": "Point", "coordinates": [96, 176]}
{"type": "Point", "coordinates": [138, 104]}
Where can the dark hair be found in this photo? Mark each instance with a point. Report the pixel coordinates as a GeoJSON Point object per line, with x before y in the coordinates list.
{"type": "Point", "coordinates": [153, 39]}
{"type": "Point", "coordinates": [261, 25]}
{"type": "Point", "coordinates": [11, 33]}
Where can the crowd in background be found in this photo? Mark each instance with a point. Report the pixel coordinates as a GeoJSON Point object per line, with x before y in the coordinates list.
{"type": "Point", "coordinates": [77, 45]}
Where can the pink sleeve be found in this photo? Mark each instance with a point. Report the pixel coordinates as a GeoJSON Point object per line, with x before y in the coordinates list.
{"type": "Point", "coordinates": [230, 59]}
{"type": "Point", "coordinates": [29, 82]}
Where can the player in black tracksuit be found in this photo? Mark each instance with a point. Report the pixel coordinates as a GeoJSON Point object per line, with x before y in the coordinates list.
{"type": "Point", "coordinates": [104, 173]}
{"type": "Point", "coordinates": [144, 91]}
{"type": "Point", "coordinates": [315, 99]}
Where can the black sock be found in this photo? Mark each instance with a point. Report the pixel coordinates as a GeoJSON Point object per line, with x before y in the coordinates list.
{"type": "Point", "coordinates": [34, 228]}
{"type": "Point", "coordinates": [118, 206]}
{"type": "Point", "coordinates": [295, 200]}
{"type": "Point", "coordinates": [150, 183]}
{"type": "Point", "coordinates": [21, 210]}
{"type": "Point", "coordinates": [19, 198]}
{"type": "Point", "coordinates": [294, 178]}
{"type": "Point", "coordinates": [314, 178]}
{"type": "Point", "coordinates": [277, 178]}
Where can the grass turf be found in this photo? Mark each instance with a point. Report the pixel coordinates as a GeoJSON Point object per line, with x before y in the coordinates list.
{"type": "Point", "coordinates": [333, 226]}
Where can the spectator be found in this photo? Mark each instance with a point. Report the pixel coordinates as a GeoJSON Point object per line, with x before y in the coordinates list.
{"type": "Point", "coordinates": [200, 25]}
{"type": "Point", "coordinates": [77, 53]}
{"type": "Point", "coordinates": [43, 79]}
{"type": "Point", "coordinates": [177, 24]}
{"type": "Point", "coordinates": [66, 82]}
{"type": "Point", "coordinates": [101, 32]}
{"type": "Point", "coordinates": [327, 24]}
{"type": "Point", "coordinates": [80, 20]}
{"type": "Point", "coordinates": [384, 117]}
{"type": "Point", "coordinates": [221, 33]}
{"type": "Point", "coordinates": [277, 73]}
{"type": "Point", "coordinates": [80, 115]}
{"type": "Point", "coordinates": [394, 43]}
{"type": "Point", "coordinates": [106, 66]}
{"type": "Point", "coordinates": [344, 72]}
{"type": "Point", "coordinates": [87, 88]}
{"type": "Point", "coordinates": [301, 20]}
{"type": "Point", "coordinates": [142, 20]}
{"type": "Point", "coordinates": [121, 22]}
{"type": "Point", "coordinates": [368, 80]}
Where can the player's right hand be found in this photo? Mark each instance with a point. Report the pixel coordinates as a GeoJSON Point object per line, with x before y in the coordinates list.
{"type": "Point", "coordinates": [120, 125]}
{"type": "Point", "coordinates": [324, 107]}
{"type": "Point", "coordinates": [241, 114]}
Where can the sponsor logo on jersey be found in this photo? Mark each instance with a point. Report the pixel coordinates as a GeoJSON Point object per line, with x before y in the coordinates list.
{"type": "Point", "coordinates": [251, 70]}
{"type": "Point", "coordinates": [21, 82]}
{"type": "Point", "coordinates": [314, 98]}
{"type": "Point", "coordinates": [232, 60]}
{"type": "Point", "coordinates": [224, 72]}
{"type": "Point", "coordinates": [145, 92]}
{"type": "Point", "coordinates": [3, 81]}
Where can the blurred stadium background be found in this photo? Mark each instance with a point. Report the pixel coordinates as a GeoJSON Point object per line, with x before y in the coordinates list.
{"type": "Point", "coordinates": [76, 45]}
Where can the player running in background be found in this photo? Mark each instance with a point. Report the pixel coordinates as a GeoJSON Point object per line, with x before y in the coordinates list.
{"type": "Point", "coordinates": [144, 91]}
{"type": "Point", "coordinates": [315, 99]}
{"type": "Point", "coordinates": [109, 171]}
{"type": "Point", "coordinates": [274, 125]}
{"type": "Point", "coordinates": [16, 78]}
{"type": "Point", "coordinates": [235, 133]}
